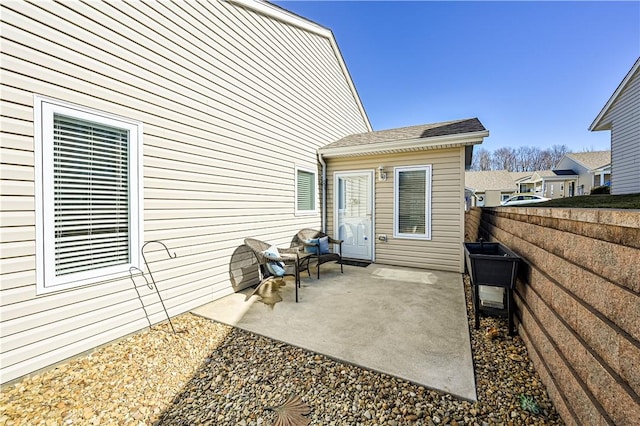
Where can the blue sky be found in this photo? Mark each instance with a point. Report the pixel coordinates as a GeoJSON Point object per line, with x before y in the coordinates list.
{"type": "Point", "coordinates": [535, 73]}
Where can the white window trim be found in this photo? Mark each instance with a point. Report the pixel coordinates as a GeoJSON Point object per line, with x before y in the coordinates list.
{"type": "Point", "coordinates": [428, 191]}
{"type": "Point", "coordinates": [46, 281]}
{"type": "Point", "coordinates": [315, 211]}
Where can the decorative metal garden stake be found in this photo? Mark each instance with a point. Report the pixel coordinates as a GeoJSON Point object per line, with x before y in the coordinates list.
{"type": "Point", "coordinates": [151, 284]}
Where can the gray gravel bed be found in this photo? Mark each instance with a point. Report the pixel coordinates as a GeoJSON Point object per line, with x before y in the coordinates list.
{"type": "Point", "coordinates": [212, 374]}
{"type": "Point", "coordinates": [249, 373]}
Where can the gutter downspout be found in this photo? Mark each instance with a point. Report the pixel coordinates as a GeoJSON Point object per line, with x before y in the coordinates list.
{"type": "Point", "coordinates": [323, 214]}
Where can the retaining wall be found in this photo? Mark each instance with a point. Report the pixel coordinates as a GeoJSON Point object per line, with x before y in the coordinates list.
{"type": "Point", "coordinates": [577, 304]}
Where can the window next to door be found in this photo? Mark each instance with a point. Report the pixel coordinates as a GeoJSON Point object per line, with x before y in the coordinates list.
{"type": "Point", "coordinates": [306, 191]}
{"type": "Point", "coordinates": [412, 202]}
{"type": "Point", "coordinates": [88, 195]}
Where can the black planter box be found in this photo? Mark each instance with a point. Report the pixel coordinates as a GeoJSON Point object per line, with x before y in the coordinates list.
{"type": "Point", "coordinates": [491, 264]}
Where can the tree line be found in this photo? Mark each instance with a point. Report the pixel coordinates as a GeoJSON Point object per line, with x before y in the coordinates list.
{"type": "Point", "coordinates": [523, 159]}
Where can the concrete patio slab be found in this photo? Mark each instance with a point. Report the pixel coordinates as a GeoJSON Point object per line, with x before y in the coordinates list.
{"type": "Point", "coordinates": [408, 323]}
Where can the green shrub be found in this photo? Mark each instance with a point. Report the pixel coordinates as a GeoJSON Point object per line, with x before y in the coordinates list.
{"type": "Point", "coordinates": [529, 404]}
{"type": "Point", "coordinates": [600, 190]}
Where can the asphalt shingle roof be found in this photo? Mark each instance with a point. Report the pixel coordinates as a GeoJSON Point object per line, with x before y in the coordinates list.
{"type": "Point", "coordinates": [490, 180]}
{"type": "Point", "coordinates": [591, 160]}
{"type": "Point", "coordinates": [423, 131]}
{"type": "Point", "coordinates": [545, 173]}
{"type": "Point", "coordinates": [520, 175]}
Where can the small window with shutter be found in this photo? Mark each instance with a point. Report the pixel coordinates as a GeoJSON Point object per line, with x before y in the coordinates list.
{"type": "Point", "coordinates": [89, 219]}
{"type": "Point", "coordinates": [412, 204]}
{"type": "Point", "coordinates": [306, 191]}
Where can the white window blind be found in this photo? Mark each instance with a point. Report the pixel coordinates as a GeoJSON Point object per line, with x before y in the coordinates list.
{"type": "Point", "coordinates": [412, 202]}
{"type": "Point", "coordinates": [91, 195]}
{"type": "Point", "coordinates": [305, 191]}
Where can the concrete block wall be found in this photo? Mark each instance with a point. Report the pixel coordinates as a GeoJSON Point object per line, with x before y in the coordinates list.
{"type": "Point", "coordinates": [578, 304]}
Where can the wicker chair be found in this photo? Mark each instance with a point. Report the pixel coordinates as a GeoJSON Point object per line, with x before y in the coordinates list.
{"type": "Point", "coordinates": [290, 259]}
{"type": "Point", "coordinates": [300, 241]}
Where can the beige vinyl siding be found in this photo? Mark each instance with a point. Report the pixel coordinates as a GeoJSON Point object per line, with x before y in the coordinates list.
{"type": "Point", "coordinates": [624, 115]}
{"type": "Point", "coordinates": [584, 178]}
{"type": "Point", "coordinates": [444, 250]}
{"type": "Point", "coordinates": [231, 101]}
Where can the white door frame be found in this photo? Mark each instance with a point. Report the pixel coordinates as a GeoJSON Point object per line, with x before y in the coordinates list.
{"type": "Point", "coordinates": [371, 174]}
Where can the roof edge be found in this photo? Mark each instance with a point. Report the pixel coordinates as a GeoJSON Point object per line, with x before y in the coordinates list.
{"type": "Point", "coordinates": [597, 124]}
{"type": "Point", "coordinates": [575, 160]}
{"type": "Point", "coordinates": [446, 141]}
{"type": "Point", "coordinates": [283, 15]}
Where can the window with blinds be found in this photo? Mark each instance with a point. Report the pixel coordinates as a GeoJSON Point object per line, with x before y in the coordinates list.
{"type": "Point", "coordinates": [88, 206]}
{"type": "Point", "coordinates": [305, 191]}
{"type": "Point", "coordinates": [412, 206]}
{"type": "Point", "coordinates": [91, 195]}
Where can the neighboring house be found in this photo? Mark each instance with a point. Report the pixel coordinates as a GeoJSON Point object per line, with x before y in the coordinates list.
{"type": "Point", "coordinates": [523, 181]}
{"type": "Point", "coordinates": [397, 196]}
{"type": "Point", "coordinates": [591, 169]}
{"type": "Point", "coordinates": [551, 183]}
{"type": "Point", "coordinates": [621, 115]}
{"type": "Point", "coordinates": [490, 187]}
{"type": "Point", "coordinates": [196, 124]}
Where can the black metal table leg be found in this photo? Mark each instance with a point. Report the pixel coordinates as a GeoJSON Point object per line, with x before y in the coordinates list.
{"type": "Point", "coordinates": [297, 280]}
{"type": "Point", "coordinates": [510, 310]}
{"type": "Point", "coordinates": [476, 304]}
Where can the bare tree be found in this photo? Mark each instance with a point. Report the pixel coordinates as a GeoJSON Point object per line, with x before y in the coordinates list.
{"type": "Point", "coordinates": [481, 160]}
{"type": "Point", "coordinates": [537, 159]}
{"type": "Point", "coordinates": [542, 160]}
{"type": "Point", "coordinates": [556, 152]}
{"type": "Point", "coordinates": [504, 159]}
{"type": "Point", "coordinates": [523, 159]}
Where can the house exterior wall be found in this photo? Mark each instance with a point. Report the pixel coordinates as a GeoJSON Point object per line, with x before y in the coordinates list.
{"type": "Point", "coordinates": [556, 188]}
{"type": "Point", "coordinates": [231, 100]}
{"type": "Point", "coordinates": [584, 181]}
{"type": "Point", "coordinates": [493, 197]}
{"type": "Point", "coordinates": [624, 116]}
{"type": "Point", "coordinates": [444, 250]}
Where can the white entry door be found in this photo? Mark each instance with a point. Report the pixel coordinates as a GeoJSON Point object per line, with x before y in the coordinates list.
{"type": "Point", "coordinates": [353, 213]}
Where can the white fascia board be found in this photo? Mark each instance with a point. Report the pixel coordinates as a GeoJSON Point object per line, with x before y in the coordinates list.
{"type": "Point", "coordinates": [597, 125]}
{"type": "Point", "coordinates": [603, 168]}
{"type": "Point", "coordinates": [273, 11]}
{"type": "Point", "coordinates": [436, 142]}
{"type": "Point", "coordinates": [283, 15]}
{"type": "Point", "coordinates": [560, 178]}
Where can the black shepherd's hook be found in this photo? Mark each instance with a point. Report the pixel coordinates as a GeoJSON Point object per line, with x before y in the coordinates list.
{"type": "Point", "coordinates": [152, 284]}
{"type": "Point", "coordinates": [136, 287]}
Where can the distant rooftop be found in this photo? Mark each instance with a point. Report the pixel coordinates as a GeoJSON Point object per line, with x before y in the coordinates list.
{"type": "Point", "coordinates": [591, 160]}
{"type": "Point", "coordinates": [545, 173]}
{"type": "Point", "coordinates": [516, 176]}
{"type": "Point", "coordinates": [501, 180]}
